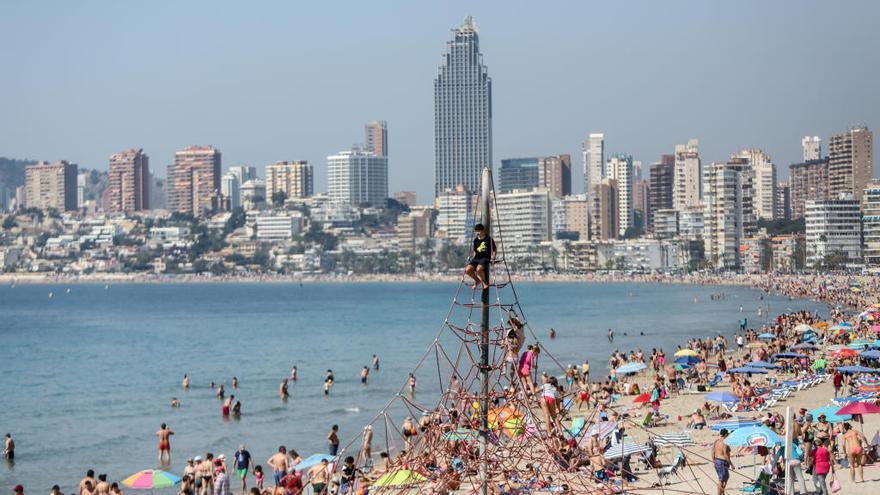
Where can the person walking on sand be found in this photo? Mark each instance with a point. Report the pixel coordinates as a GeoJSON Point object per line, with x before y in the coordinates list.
{"type": "Point", "coordinates": [242, 464]}
{"type": "Point", "coordinates": [482, 255]}
{"type": "Point", "coordinates": [852, 446]}
{"type": "Point", "coordinates": [164, 435]}
{"type": "Point", "coordinates": [721, 460]}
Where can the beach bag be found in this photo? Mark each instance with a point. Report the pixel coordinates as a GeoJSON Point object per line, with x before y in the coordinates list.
{"type": "Point", "coordinates": [835, 484]}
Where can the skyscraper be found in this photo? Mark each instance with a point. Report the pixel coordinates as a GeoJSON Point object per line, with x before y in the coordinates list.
{"type": "Point", "coordinates": [295, 179]}
{"type": "Point", "coordinates": [462, 113]}
{"type": "Point", "coordinates": [128, 184]}
{"type": "Point", "coordinates": [51, 185]}
{"type": "Point", "coordinates": [605, 211]}
{"type": "Point", "coordinates": [554, 174]}
{"type": "Point", "coordinates": [812, 147]}
{"type": "Point", "coordinates": [594, 163]}
{"type": "Point", "coordinates": [194, 180]}
{"type": "Point", "coordinates": [661, 177]}
{"type": "Point", "coordinates": [850, 161]}
{"type": "Point", "coordinates": [688, 186]}
{"type": "Point", "coordinates": [723, 215]}
{"type": "Point", "coordinates": [230, 188]}
{"type": "Point", "coordinates": [518, 173]}
{"type": "Point", "coordinates": [764, 171]}
{"type": "Point", "coordinates": [376, 137]}
{"type": "Point", "coordinates": [357, 177]}
{"type": "Point", "coordinates": [808, 181]}
{"type": "Point", "coordinates": [619, 168]}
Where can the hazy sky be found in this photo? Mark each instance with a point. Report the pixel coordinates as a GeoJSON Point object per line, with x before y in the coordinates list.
{"type": "Point", "coordinates": [267, 81]}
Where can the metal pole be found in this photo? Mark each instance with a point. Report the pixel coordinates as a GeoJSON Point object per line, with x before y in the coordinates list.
{"type": "Point", "coordinates": [486, 220]}
{"type": "Point", "coordinates": [789, 433]}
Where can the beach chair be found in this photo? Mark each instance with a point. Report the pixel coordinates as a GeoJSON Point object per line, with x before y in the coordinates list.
{"type": "Point", "coordinates": [671, 470]}
{"type": "Point", "coordinates": [759, 486]}
{"type": "Point", "coordinates": [716, 380]}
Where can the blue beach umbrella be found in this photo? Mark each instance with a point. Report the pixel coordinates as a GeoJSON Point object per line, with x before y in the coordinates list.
{"type": "Point", "coordinates": [762, 364]}
{"type": "Point", "coordinates": [767, 336]}
{"type": "Point", "coordinates": [312, 460]}
{"type": "Point", "coordinates": [746, 369]}
{"type": "Point", "coordinates": [721, 397]}
{"type": "Point", "coordinates": [803, 346]}
{"type": "Point", "coordinates": [830, 413]}
{"type": "Point", "coordinates": [687, 360]}
{"type": "Point", "coordinates": [870, 354]}
{"type": "Point", "coordinates": [630, 368]}
{"type": "Point", "coordinates": [734, 424]}
{"type": "Point", "coordinates": [857, 369]}
{"type": "Point", "coordinates": [753, 436]}
{"type": "Point", "coordinates": [789, 355]}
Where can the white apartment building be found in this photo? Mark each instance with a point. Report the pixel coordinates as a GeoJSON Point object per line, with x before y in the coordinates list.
{"type": "Point", "coordinates": [357, 177]}
{"type": "Point", "coordinates": [619, 167]}
{"type": "Point", "coordinates": [524, 219]}
{"type": "Point", "coordinates": [764, 173]}
{"type": "Point", "coordinates": [666, 223]}
{"type": "Point", "coordinates": [295, 179]}
{"type": "Point", "coordinates": [594, 163]}
{"type": "Point", "coordinates": [455, 214]}
{"type": "Point", "coordinates": [276, 227]}
{"type": "Point", "coordinates": [871, 224]}
{"type": "Point", "coordinates": [722, 215]}
{"type": "Point", "coordinates": [690, 223]}
{"type": "Point", "coordinates": [230, 189]}
{"type": "Point", "coordinates": [569, 215]}
{"type": "Point", "coordinates": [687, 186]}
{"type": "Point", "coordinates": [834, 226]}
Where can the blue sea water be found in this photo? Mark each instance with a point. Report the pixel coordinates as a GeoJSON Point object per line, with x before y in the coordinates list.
{"type": "Point", "coordinates": [86, 377]}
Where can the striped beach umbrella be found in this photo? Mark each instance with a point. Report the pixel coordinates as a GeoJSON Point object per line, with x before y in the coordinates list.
{"type": "Point", "coordinates": [734, 424]}
{"type": "Point", "coordinates": [630, 368]}
{"type": "Point", "coordinates": [602, 428]}
{"type": "Point", "coordinates": [625, 449]}
{"type": "Point", "coordinates": [686, 352]}
{"type": "Point", "coordinates": [150, 479]}
{"type": "Point", "coordinates": [679, 439]}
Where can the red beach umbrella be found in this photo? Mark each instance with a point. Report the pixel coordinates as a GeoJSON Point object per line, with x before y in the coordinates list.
{"type": "Point", "coordinates": [642, 398]}
{"type": "Point", "coordinates": [845, 353]}
{"type": "Point", "coordinates": [859, 408]}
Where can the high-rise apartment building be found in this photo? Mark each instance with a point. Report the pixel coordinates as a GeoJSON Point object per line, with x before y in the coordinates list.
{"type": "Point", "coordinates": [723, 214]}
{"type": "Point", "coordinates": [454, 214]}
{"type": "Point", "coordinates": [834, 227]}
{"type": "Point", "coordinates": [295, 179]}
{"type": "Point", "coordinates": [128, 181]}
{"type": "Point", "coordinates": [605, 211]}
{"type": "Point", "coordinates": [51, 185]}
{"type": "Point", "coordinates": [783, 201]}
{"type": "Point", "coordinates": [570, 218]}
{"type": "Point", "coordinates": [641, 207]}
{"type": "Point", "coordinates": [525, 217]}
{"type": "Point", "coordinates": [376, 137]}
{"type": "Point", "coordinates": [764, 173]}
{"type": "Point", "coordinates": [244, 173]}
{"type": "Point", "coordinates": [357, 177]}
{"type": "Point", "coordinates": [462, 113]}
{"type": "Point", "coordinates": [619, 168]}
{"type": "Point", "coordinates": [518, 173]}
{"type": "Point", "coordinates": [808, 181]}
{"type": "Point", "coordinates": [230, 189]}
{"type": "Point", "coordinates": [661, 178]}
{"type": "Point", "coordinates": [850, 161]}
{"type": "Point", "coordinates": [688, 186]}
{"type": "Point", "coordinates": [194, 180]}
{"type": "Point", "coordinates": [871, 223]}
{"type": "Point", "coordinates": [812, 146]}
{"type": "Point", "coordinates": [747, 177]}
{"type": "Point", "coordinates": [554, 174]}
{"type": "Point", "coordinates": [594, 163]}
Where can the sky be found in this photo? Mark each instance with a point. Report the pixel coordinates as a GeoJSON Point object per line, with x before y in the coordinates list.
{"type": "Point", "coordinates": [269, 81]}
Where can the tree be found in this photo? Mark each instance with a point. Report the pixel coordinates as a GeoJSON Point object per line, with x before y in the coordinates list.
{"type": "Point", "coordinates": [235, 221]}
{"type": "Point", "coordinates": [9, 222]}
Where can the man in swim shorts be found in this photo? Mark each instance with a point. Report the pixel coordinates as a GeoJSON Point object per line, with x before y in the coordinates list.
{"type": "Point", "coordinates": [721, 460]}
{"type": "Point", "coordinates": [164, 435]}
{"type": "Point", "coordinates": [242, 464]}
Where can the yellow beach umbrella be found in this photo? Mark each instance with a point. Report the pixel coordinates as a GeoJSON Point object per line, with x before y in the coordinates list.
{"type": "Point", "coordinates": [399, 478]}
{"type": "Point", "coordinates": [686, 352]}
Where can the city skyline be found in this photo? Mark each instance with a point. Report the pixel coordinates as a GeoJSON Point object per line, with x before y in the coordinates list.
{"type": "Point", "coordinates": [180, 107]}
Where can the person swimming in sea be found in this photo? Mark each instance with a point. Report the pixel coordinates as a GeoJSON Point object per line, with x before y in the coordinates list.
{"type": "Point", "coordinates": [364, 374]}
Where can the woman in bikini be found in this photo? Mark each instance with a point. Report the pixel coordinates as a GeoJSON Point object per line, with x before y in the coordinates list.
{"type": "Point", "coordinates": [550, 403]}
{"type": "Point", "coordinates": [852, 445]}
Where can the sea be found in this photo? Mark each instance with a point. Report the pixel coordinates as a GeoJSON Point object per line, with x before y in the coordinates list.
{"type": "Point", "coordinates": [88, 371]}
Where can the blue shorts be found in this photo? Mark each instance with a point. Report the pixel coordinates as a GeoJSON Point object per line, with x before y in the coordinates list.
{"type": "Point", "coordinates": [278, 476]}
{"type": "Point", "coordinates": [722, 469]}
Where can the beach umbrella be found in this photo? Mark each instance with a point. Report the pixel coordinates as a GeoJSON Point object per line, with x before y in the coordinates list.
{"type": "Point", "coordinates": [687, 360]}
{"type": "Point", "coordinates": [762, 364]}
{"type": "Point", "coordinates": [625, 449]}
{"type": "Point", "coordinates": [803, 327]}
{"type": "Point", "coordinates": [789, 355]}
{"type": "Point", "coordinates": [681, 367]}
{"type": "Point", "coordinates": [845, 353]}
{"type": "Point", "coordinates": [630, 368]}
{"type": "Point", "coordinates": [686, 352]}
{"type": "Point", "coordinates": [767, 336]}
{"type": "Point", "coordinates": [869, 388]}
{"type": "Point", "coordinates": [857, 369]}
{"type": "Point", "coordinates": [870, 354]}
{"type": "Point", "coordinates": [858, 408]}
{"type": "Point", "coordinates": [753, 436]}
{"type": "Point", "coordinates": [642, 398]}
{"type": "Point", "coordinates": [577, 426]}
{"type": "Point", "coordinates": [845, 324]}
{"type": "Point", "coordinates": [508, 419]}
{"type": "Point", "coordinates": [399, 478]}
{"type": "Point", "coordinates": [312, 460]}
{"type": "Point", "coordinates": [150, 479]}
{"type": "Point", "coordinates": [721, 397]}
{"type": "Point", "coordinates": [681, 439]}
{"type": "Point", "coordinates": [830, 413]}
{"type": "Point", "coordinates": [746, 369]}
{"type": "Point", "coordinates": [734, 424]}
